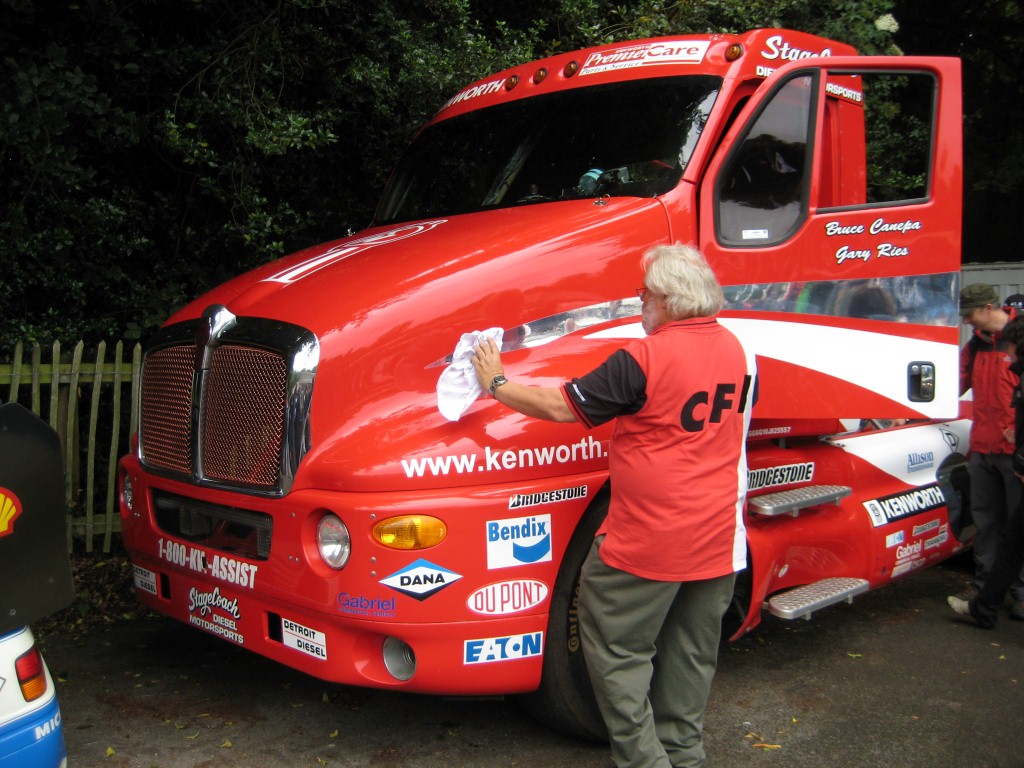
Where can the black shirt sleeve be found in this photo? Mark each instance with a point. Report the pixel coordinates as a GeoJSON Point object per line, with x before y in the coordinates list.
{"type": "Point", "coordinates": [615, 387]}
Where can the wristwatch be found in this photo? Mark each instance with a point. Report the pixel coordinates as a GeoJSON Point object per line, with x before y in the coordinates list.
{"type": "Point", "coordinates": [496, 382]}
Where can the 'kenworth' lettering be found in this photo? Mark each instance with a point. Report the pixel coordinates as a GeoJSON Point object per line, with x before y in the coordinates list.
{"type": "Point", "coordinates": [907, 504]}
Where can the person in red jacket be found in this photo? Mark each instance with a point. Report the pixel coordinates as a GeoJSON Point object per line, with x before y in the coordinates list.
{"type": "Point", "coordinates": [661, 571]}
{"type": "Point", "coordinates": [985, 370]}
{"type": "Point", "coordinates": [985, 606]}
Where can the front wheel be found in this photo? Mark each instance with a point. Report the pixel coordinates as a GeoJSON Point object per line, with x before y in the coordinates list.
{"type": "Point", "coordinates": [565, 699]}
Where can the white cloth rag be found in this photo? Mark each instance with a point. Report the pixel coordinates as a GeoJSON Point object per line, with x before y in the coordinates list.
{"type": "Point", "coordinates": [458, 387]}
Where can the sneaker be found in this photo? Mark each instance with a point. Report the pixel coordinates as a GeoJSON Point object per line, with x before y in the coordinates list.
{"type": "Point", "coordinates": [959, 605]}
{"type": "Point", "coordinates": [1017, 611]}
{"type": "Point", "coordinates": [968, 593]}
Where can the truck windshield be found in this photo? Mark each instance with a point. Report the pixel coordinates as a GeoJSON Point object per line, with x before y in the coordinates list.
{"type": "Point", "coordinates": [623, 139]}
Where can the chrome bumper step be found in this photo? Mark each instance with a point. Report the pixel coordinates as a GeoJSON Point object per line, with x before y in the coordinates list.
{"type": "Point", "coordinates": [791, 502]}
{"type": "Point", "coordinates": [801, 602]}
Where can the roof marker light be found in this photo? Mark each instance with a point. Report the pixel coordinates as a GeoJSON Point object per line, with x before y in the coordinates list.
{"type": "Point", "coordinates": [511, 82]}
{"type": "Point", "coordinates": [570, 69]}
{"type": "Point", "coordinates": [539, 75]}
{"type": "Point", "coordinates": [733, 52]}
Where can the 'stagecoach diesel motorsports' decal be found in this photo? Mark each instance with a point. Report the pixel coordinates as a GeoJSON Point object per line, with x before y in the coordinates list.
{"type": "Point", "coordinates": [296, 485]}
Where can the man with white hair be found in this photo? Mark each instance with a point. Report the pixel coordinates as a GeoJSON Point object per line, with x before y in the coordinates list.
{"type": "Point", "coordinates": [661, 571]}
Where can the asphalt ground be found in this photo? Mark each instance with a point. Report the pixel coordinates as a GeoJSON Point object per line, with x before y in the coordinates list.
{"type": "Point", "coordinates": [895, 679]}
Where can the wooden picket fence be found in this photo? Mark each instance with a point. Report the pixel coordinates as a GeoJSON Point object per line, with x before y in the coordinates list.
{"type": "Point", "coordinates": [94, 419]}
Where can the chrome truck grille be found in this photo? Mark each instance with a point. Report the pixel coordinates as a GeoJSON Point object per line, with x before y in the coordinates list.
{"type": "Point", "coordinates": [225, 402]}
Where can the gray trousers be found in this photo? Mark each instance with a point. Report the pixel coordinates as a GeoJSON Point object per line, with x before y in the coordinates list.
{"type": "Point", "coordinates": [995, 501]}
{"type": "Point", "coordinates": [651, 649]}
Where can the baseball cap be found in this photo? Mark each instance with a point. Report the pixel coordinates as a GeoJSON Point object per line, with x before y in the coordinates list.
{"type": "Point", "coordinates": [977, 295]}
{"type": "Point", "coordinates": [1016, 301]}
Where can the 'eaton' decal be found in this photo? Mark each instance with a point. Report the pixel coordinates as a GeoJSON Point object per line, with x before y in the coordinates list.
{"type": "Point", "coordinates": [769, 477]}
{"type": "Point", "coordinates": [907, 504]}
{"type": "Point", "coordinates": [215, 613]}
{"type": "Point", "coordinates": [222, 568]}
{"type": "Point", "coordinates": [895, 539]}
{"type": "Point", "coordinates": [646, 54]}
{"type": "Point", "coordinates": [360, 605]}
{"type": "Point", "coordinates": [586, 449]}
{"type": "Point", "coordinates": [10, 509]}
{"type": "Point", "coordinates": [310, 641]}
{"type": "Point", "coordinates": [505, 597]}
{"type": "Point", "coordinates": [421, 579]}
{"type": "Point", "coordinates": [144, 579]}
{"type": "Point", "coordinates": [520, 500]}
{"type": "Point", "coordinates": [503, 648]}
{"type": "Point", "coordinates": [518, 541]}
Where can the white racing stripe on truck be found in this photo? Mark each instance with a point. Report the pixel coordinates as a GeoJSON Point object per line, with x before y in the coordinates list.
{"type": "Point", "coordinates": [911, 454]}
{"type": "Point", "coordinates": [841, 353]}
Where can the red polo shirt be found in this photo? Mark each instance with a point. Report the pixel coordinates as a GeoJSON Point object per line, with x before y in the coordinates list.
{"type": "Point", "coordinates": [682, 397]}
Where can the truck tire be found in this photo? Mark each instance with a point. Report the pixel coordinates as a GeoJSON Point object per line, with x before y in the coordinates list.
{"type": "Point", "coordinates": [565, 699]}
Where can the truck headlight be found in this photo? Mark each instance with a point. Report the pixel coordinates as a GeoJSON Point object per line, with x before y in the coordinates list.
{"type": "Point", "coordinates": [333, 541]}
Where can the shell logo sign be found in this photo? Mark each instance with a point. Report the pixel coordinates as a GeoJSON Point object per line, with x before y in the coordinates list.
{"type": "Point", "coordinates": [10, 508]}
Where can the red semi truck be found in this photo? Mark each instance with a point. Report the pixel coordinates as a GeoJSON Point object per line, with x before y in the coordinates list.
{"type": "Point", "coordinates": [296, 491]}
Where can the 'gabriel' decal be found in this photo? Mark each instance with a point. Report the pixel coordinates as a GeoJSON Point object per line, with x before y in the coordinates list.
{"type": "Point", "coordinates": [10, 508]}
{"type": "Point", "coordinates": [907, 504]}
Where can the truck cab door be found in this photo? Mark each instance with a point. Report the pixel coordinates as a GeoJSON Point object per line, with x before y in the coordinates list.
{"type": "Point", "coordinates": [831, 214]}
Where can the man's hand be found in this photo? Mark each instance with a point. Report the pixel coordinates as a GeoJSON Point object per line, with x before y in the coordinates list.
{"type": "Point", "coordinates": [539, 402]}
{"type": "Point", "coordinates": [487, 363]}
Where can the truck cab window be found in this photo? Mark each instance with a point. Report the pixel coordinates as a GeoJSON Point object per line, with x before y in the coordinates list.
{"type": "Point", "coordinates": [899, 110]}
{"type": "Point", "coordinates": [762, 192]}
{"type": "Point", "coordinates": [629, 139]}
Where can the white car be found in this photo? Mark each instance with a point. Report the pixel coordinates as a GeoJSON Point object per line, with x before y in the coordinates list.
{"type": "Point", "coordinates": [31, 735]}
